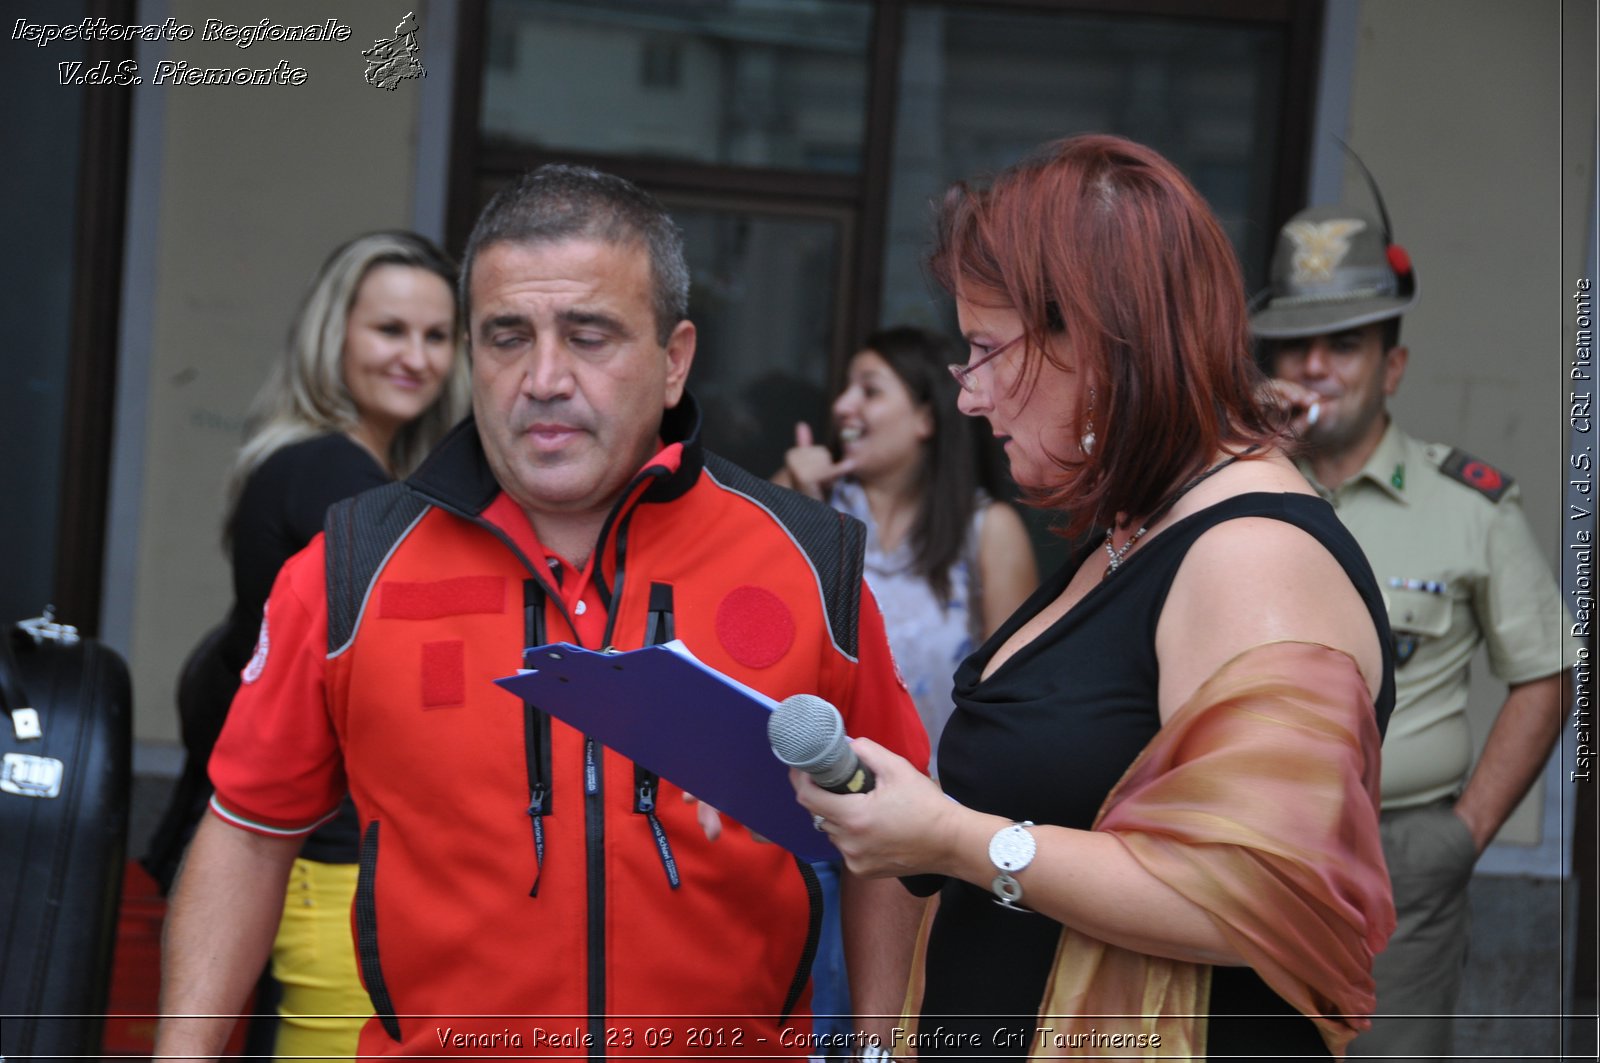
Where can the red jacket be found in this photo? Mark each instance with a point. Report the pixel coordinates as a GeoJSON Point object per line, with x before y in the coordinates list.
{"type": "Point", "coordinates": [443, 765]}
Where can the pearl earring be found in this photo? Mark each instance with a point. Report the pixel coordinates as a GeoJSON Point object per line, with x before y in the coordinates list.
{"type": "Point", "coordinates": [1086, 441]}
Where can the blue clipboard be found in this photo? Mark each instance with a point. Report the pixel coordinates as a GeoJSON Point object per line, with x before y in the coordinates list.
{"type": "Point", "coordinates": [662, 708]}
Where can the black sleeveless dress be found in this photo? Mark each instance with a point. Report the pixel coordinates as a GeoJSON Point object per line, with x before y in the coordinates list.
{"type": "Point", "coordinates": [1045, 738]}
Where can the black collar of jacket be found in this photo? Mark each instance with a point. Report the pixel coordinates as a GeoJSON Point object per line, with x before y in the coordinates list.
{"type": "Point", "coordinates": [456, 474]}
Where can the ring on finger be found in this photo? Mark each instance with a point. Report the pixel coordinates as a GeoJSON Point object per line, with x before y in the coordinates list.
{"type": "Point", "coordinates": [818, 822]}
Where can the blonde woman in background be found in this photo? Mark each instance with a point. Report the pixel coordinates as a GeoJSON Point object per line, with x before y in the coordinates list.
{"type": "Point", "coordinates": [372, 376]}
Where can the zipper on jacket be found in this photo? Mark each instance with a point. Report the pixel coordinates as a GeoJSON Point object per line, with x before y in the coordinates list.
{"type": "Point", "coordinates": [593, 774]}
{"type": "Point", "coordinates": [644, 801]}
{"type": "Point", "coordinates": [535, 731]}
{"type": "Point", "coordinates": [595, 854]}
{"type": "Point", "coordinates": [658, 629]}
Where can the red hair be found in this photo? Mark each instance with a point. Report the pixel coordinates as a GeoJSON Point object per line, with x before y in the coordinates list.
{"type": "Point", "coordinates": [1105, 240]}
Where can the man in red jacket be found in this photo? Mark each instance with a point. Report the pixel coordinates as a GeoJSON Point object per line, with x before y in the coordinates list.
{"type": "Point", "coordinates": [523, 888]}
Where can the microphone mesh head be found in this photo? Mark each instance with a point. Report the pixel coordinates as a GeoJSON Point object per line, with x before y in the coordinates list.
{"type": "Point", "coordinates": [806, 732]}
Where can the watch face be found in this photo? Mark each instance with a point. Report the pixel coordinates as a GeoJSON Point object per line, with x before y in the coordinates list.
{"type": "Point", "coordinates": [1012, 849]}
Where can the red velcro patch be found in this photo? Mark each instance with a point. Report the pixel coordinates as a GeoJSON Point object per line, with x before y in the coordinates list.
{"type": "Point", "coordinates": [755, 626]}
{"type": "Point", "coordinates": [446, 597]}
{"type": "Point", "coordinates": [444, 673]}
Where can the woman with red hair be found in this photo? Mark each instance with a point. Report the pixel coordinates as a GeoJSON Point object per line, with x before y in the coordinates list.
{"type": "Point", "coordinates": [1158, 827]}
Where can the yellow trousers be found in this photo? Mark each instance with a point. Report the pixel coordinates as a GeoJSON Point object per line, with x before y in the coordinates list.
{"type": "Point", "coordinates": [314, 959]}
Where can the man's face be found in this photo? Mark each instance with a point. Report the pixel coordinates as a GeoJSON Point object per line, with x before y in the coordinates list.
{"type": "Point", "coordinates": [569, 380]}
{"type": "Point", "coordinates": [1351, 374]}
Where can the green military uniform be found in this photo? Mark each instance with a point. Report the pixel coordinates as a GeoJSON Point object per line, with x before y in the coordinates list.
{"type": "Point", "coordinates": [1459, 567]}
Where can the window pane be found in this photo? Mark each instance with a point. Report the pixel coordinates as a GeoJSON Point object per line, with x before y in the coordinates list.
{"type": "Point", "coordinates": [761, 83]}
{"type": "Point", "coordinates": [979, 89]}
{"type": "Point", "coordinates": [762, 300]}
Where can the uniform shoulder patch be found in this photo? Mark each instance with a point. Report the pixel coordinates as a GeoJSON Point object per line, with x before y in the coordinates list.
{"type": "Point", "coordinates": [1482, 477]}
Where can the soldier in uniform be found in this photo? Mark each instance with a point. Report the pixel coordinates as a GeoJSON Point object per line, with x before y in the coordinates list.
{"type": "Point", "coordinates": [1447, 539]}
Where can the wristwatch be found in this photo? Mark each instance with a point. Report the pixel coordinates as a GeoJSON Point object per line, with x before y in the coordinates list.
{"type": "Point", "coordinates": [1010, 850]}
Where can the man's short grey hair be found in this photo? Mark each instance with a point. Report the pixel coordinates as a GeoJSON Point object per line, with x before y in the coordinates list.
{"type": "Point", "coordinates": [560, 202]}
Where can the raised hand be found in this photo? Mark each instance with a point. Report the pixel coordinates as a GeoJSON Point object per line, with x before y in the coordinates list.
{"type": "Point", "coordinates": [1301, 403]}
{"type": "Point", "coordinates": [809, 468]}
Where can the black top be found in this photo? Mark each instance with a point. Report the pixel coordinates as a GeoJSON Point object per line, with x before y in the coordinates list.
{"type": "Point", "coordinates": [1047, 736]}
{"type": "Point", "coordinates": [280, 510]}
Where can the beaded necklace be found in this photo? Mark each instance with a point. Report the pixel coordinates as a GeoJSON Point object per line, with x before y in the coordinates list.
{"type": "Point", "coordinates": [1114, 557]}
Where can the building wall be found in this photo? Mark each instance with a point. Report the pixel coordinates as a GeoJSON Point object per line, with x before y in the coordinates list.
{"type": "Point", "coordinates": [1457, 108]}
{"type": "Point", "coordinates": [238, 193]}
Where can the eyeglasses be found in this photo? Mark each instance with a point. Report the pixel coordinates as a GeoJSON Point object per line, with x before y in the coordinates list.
{"type": "Point", "coordinates": [963, 373]}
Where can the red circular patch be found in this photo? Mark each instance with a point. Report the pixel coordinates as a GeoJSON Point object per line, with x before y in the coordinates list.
{"type": "Point", "coordinates": [755, 626]}
{"type": "Point", "coordinates": [1483, 475]}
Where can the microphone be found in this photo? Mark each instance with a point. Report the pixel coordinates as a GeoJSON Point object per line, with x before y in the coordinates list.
{"type": "Point", "coordinates": [807, 732]}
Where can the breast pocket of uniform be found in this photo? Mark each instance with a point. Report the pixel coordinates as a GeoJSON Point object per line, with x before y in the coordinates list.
{"type": "Point", "coordinates": [1416, 614]}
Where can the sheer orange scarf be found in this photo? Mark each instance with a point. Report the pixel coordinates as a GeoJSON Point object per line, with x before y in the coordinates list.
{"type": "Point", "coordinates": [1258, 801]}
